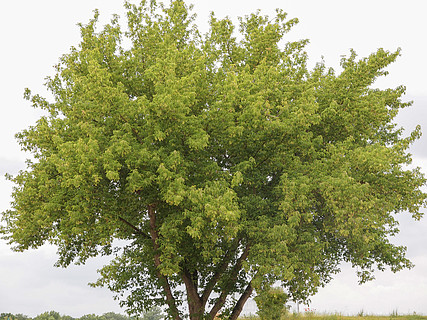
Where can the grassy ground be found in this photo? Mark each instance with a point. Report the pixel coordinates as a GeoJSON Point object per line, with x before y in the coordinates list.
{"type": "Point", "coordinates": [311, 316]}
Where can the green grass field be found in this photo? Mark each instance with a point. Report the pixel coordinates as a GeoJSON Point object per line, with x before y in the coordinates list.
{"type": "Point", "coordinates": [311, 316]}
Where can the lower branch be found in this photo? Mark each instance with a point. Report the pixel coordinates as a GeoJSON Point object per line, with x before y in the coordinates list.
{"type": "Point", "coordinates": [195, 305]}
{"type": "Point", "coordinates": [219, 272]}
{"type": "Point", "coordinates": [241, 302]}
{"type": "Point", "coordinates": [232, 279]}
{"type": "Point", "coordinates": [218, 304]}
{"type": "Point", "coordinates": [170, 300]}
{"type": "Point", "coordinates": [137, 230]}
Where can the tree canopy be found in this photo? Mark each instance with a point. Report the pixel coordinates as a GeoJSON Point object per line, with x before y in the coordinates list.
{"type": "Point", "coordinates": [153, 314]}
{"type": "Point", "coordinates": [223, 163]}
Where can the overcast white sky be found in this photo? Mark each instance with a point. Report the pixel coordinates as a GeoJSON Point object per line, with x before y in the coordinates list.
{"type": "Point", "coordinates": [34, 34]}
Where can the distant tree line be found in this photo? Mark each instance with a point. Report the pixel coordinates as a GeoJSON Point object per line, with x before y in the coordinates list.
{"type": "Point", "coordinates": [153, 314]}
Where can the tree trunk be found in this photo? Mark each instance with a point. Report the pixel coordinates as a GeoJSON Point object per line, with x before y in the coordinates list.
{"type": "Point", "coordinates": [241, 302]}
{"type": "Point", "coordinates": [195, 304]}
{"type": "Point", "coordinates": [170, 300]}
{"type": "Point", "coordinates": [233, 277]}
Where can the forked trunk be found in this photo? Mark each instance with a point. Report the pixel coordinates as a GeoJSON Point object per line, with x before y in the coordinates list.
{"type": "Point", "coordinates": [195, 305]}
{"type": "Point", "coordinates": [241, 302]}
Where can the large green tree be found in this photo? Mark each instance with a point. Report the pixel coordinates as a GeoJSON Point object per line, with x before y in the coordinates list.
{"type": "Point", "coordinates": [221, 161]}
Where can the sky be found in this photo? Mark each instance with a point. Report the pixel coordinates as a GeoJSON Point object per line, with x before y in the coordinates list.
{"type": "Point", "coordinates": [34, 34]}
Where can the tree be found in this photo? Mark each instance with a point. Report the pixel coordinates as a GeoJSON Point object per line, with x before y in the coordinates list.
{"type": "Point", "coordinates": [10, 316]}
{"type": "Point", "coordinates": [222, 161]}
{"type": "Point", "coordinates": [153, 314]}
{"type": "Point", "coordinates": [51, 315]}
{"type": "Point", "coordinates": [92, 317]}
{"type": "Point", "coordinates": [272, 304]}
{"type": "Point", "coordinates": [114, 316]}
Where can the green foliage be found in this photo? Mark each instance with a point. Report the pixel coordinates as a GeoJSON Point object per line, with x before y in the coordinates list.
{"type": "Point", "coordinates": [223, 163]}
{"type": "Point", "coordinates": [272, 304]}
{"type": "Point", "coordinates": [10, 316]}
{"type": "Point", "coordinates": [53, 315]}
{"type": "Point", "coordinates": [92, 317]}
{"type": "Point", "coordinates": [153, 314]}
{"type": "Point", "coordinates": [114, 316]}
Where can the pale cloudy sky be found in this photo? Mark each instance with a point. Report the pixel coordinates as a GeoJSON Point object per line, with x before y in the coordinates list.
{"type": "Point", "coordinates": [34, 34]}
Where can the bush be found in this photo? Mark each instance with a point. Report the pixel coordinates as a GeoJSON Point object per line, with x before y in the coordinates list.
{"type": "Point", "coordinates": [272, 304]}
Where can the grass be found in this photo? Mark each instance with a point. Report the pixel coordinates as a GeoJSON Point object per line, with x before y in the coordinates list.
{"type": "Point", "coordinates": [359, 316]}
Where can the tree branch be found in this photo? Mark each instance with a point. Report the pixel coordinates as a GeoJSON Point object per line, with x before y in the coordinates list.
{"type": "Point", "coordinates": [213, 281]}
{"type": "Point", "coordinates": [134, 131]}
{"type": "Point", "coordinates": [136, 229]}
{"type": "Point", "coordinates": [194, 301]}
{"type": "Point", "coordinates": [241, 302]}
{"type": "Point", "coordinates": [170, 300]}
{"type": "Point", "coordinates": [233, 277]}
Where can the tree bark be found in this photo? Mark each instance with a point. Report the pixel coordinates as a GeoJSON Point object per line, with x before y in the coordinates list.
{"type": "Point", "coordinates": [195, 305]}
{"type": "Point", "coordinates": [170, 300]}
{"type": "Point", "coordinates": [213, 281]}
{"type": "Point", "coordinates": [241, 302]}
{"type": "Point", "coordinates": [137, 230]}
{"type": "Point", "coordinates": [233, 277]}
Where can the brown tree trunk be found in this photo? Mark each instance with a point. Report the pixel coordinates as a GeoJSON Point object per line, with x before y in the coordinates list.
{"type": "Point", "coordinates": [233, 277]}
{"type": "Point", "coordinates": [170, 300]}
{"type": "Point", "coordinates": [241, 302]}
{"type": "Point", "coordinates": [195, 304]}
{"type": "Point", "coordinates": [219, 272]}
